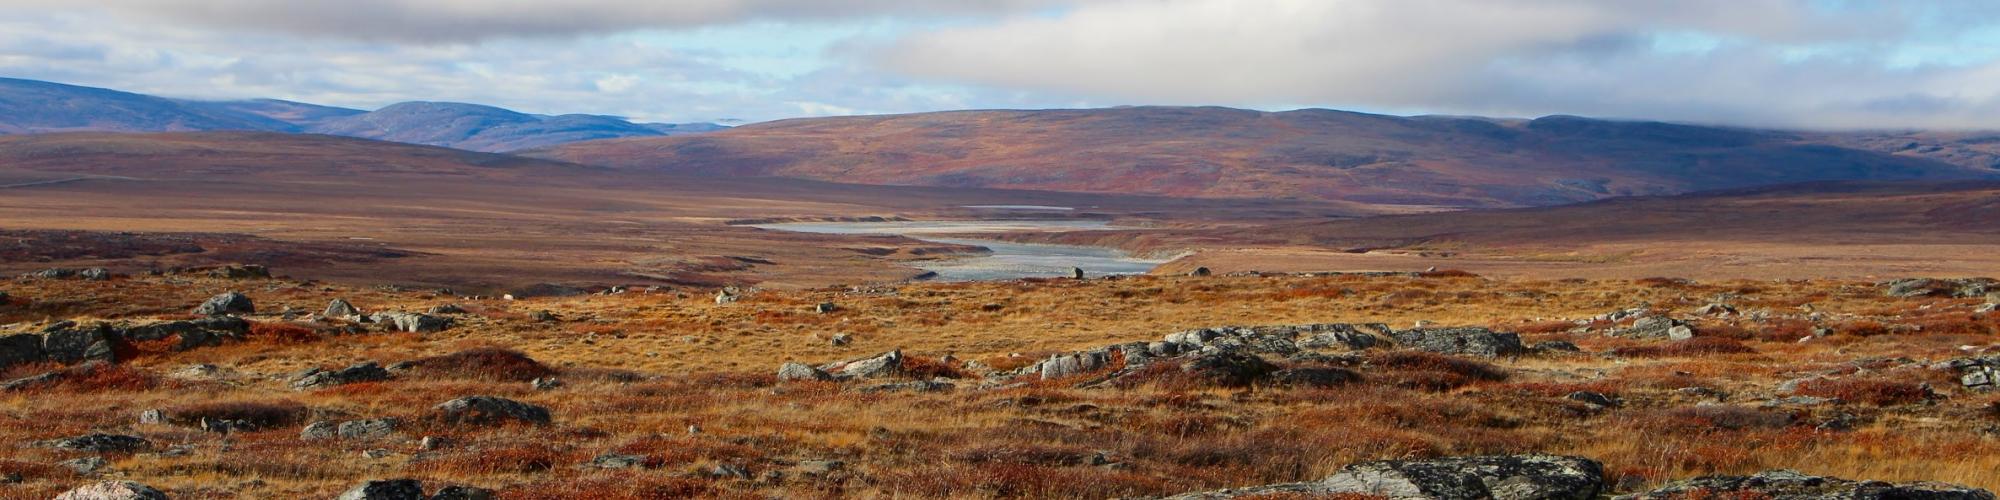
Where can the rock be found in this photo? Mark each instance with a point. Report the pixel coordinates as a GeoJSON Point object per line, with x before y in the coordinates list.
{"type": "Point", "coordinates": [432, 443]}
{"type": "Point", "coordinates": [463, 493]}
{"type": "Point", "coordinates": [1228, 368]}
{"type": "Point", "coordinates": [153, 417]}
{"type": "Point", "coordinates": [1931, 287]}
{"type": "Point", "coordinates": [726, 296]}
{"type": "Point", "coordinates": [1466, 341]}
{"type": "Point", "coordinates": [393, 489]}
{"type": "Point", "coordinates": [879, 366]}
{"type": "Point", "coordinates": [818, 468]}
{"type": "Point", "coordinates": [1497, 477]}
{"type": "Point", "coordinates": [76, 345]}
{"type": "Point", "coordinates": [20, 349]}
{"type": "Point", "coordinates": [86, 466]}
{"type": "Point", "coordinates": [1555, 346]}
{"type": "Point", "coordinates": [801, 371]}
{"type": "Point", "coordinates": [1314, 377]}
{"type": "Point", "coordinates": [489, 410]}
{"type": "Point", "coordinates": [1200, 272]}
{"type": "Point", "coordinates": [1073, 364]}
{"type": "Point", "coordinates": [446, 309]}
{"type": "Point", "coordinates": [113, 490]}
{"type": "Point", "coordinates": [1076, 272]}
{"type": "Point", "coordinates": [226, 303]}
{"type": "Point", "coordinates": [413, 323]}
{"type": "Point", "coordinates": [825, 307]}
{"type": "Point", "coordinates": [32, 381]}
{"type": "Point", "coordinates": [1344, 336]}
{"type": "Point", "coordinates": [1790, 485]}
{"type": "Point", "coordinates": [318, 378]}
{"type": "Point", "coordinates": [1987, 308]}
{"type": "Point", "coordinates": [1715, 310]}
{"type": "Point", "coordinates": [545, 384]}
{"type": "Point", "coordinates": [1594, 399]}
{"type": "Point", "coordinates": [54, 273]}
{"type": "Point", "coordinates": [1656, 328]}
{"type": "Point", "coordinates": [1512, 477]}
{"type": "Point", "coordinates": [911, 386]}
{"type": "Point", "coordinates": [94, 274]}
{"type": "Point", "coordinates": [841, 339]}
{"type": "Point", "coordinates": [240, 272]}
{"type": "Point", "coordinates": [367, 430]}
{"type": "Point", "coordinates": [728, 471]}
{"type": "Point", "coordinates": [340, 308]}
{"type": "Point", "coordinates": [543, 316]}
{"type": "Point", "coordinates": [616, 461]}
{"type": "Point", "coordinates": [101, 443]}
{"type": "Point", "coordinates": [321, 430]}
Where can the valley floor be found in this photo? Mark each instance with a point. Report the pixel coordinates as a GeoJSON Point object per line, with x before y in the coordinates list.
{"type": "Point", "coordinates": [669, 392]}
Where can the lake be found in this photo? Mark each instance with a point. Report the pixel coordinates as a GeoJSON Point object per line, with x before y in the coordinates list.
{"type": "Point", "coordinates": [1008, 260]}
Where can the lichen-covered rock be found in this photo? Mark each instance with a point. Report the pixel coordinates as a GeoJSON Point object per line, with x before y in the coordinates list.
{"type": "Point", "coordinates": [113, 490]}
{"type": "Point", "coordinates": [1790, 485]}
{"type": "Point", "coordinates": [412, 322]}
{"type": "Point", "coordinates": [226, 303]}
{"type": "Point", "coordinates": [885, 364]}
{"type": "Point", "coordinates": [20, 349]}
{"type": "Point", "coordinates": [1932, 287]}
{"type": "Point", "coordinates": [1466, 341]}
{"type": "Point", "coordinates": [1656, 328]}
{"type": "Point", "coordinates": [1228, 368]}
{"type": "Point", "coordinates": [101, 443]}
{"type": "Point", "coordinates": [801, 371]}
{"type": "Point", "coordinates": [1343, 336]}
{"type": "Point", "coordinates": [489, 410]}
{"type": "Point", "coordinates": [391, 489]}
{"type": "Point", "coordinates": [364, 430]}
{"type": "Point", "coordinates": [318, 378]}
{"type": "Point", "coordinates": [94, 274]}
{"type": "Point", "coordinates": [1073, 364]}
{"type": "Point", "coordinates": [1507, 477]}
{"type": "Point", "coordinates": [79, 344]}
{"type": "Point", "coordinates": [340, 308]}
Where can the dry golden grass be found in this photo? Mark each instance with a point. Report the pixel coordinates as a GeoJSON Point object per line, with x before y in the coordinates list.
{"type": "Point", "coordinates": [640, 369]}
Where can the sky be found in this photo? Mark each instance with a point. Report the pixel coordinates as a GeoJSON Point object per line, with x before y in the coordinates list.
{"type": "Point", "coordinates": [1829, 64]}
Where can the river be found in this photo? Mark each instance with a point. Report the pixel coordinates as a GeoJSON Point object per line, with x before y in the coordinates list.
{"type": "Point", "coordinates": [1008, 260]}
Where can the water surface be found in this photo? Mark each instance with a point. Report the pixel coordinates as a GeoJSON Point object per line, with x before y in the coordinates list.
{"type": "Point", "coordinates": [1008, 260]}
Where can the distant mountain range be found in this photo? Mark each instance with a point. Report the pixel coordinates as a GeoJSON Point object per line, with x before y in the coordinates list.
{"type": "Point", "coordinates": [1305, 154]}
{"type": "Point", "coordinates": [1204, 152]}
{"type": "Point", "coordinates": [29, 106]}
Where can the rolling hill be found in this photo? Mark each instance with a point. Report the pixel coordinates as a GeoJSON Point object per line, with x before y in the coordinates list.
{"type": "Point", "coordinates": [1305, 154]}
{"type": "Point", "coordinates": [32, 107]}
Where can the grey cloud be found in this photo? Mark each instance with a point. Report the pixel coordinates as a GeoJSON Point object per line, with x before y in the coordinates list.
{"type": "Point", "coordinates": [433, 21]}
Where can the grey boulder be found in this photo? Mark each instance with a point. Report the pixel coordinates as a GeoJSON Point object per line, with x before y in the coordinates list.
{"type": "Point", "coordinates": [113, 490]}
{"type": "Point", "coordinates": [226, 303]}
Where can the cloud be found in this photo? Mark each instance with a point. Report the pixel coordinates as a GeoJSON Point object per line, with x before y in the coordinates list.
{"type": "Point", "coordinates": [443, 21]}
{"type": "Point", "coordinates": [1771, 62]}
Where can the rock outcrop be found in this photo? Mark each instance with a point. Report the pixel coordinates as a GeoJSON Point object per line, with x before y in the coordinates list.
{"type": "Point", "coordinates": [226, 303]}
{"type": "Point", "coordinates": [319, 378]}
{"type": "Point", "coordinates": [1465, 341]}
{"type": "Point", "coordinates": [1933, 287]}
{"type": "Point", "coordinates": [1790, 485]}
{"type": "Point", "coordinates": [489, 410]}
{"type": "Point", "coordinates": [1507, 477]}
{"type": "Point", "coordinates": [113, 490]}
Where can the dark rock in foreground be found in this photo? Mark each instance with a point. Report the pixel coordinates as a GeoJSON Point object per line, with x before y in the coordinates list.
{"type": "Point", "coordinates": [1509, 477]}
{"type": "Point", "coordinates": [1790, 485]}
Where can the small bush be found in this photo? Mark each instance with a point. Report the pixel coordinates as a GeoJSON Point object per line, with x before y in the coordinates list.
{"type": "Point", "coordinates": [281, 333]}
{"type": "Point", "coordinates": [1875, 392]}
{"type": "Point", "coordinates": [1433, 371]}
{"type": "Point", "coordinates": [485, 363]}
{"type": "Point", "coordinates": [1698, 346]}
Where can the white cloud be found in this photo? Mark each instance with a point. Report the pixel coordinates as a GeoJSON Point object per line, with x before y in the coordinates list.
{"type": "Point", "coordinates": [1517, 57]}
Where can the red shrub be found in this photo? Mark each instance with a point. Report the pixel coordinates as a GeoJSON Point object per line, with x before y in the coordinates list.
{"type": "Point", "coordinates": [281, 333]}
{"type": "Point", "coordinates": [1698, 346]}
{"type": "Point", "coordinates": [927, 368]}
